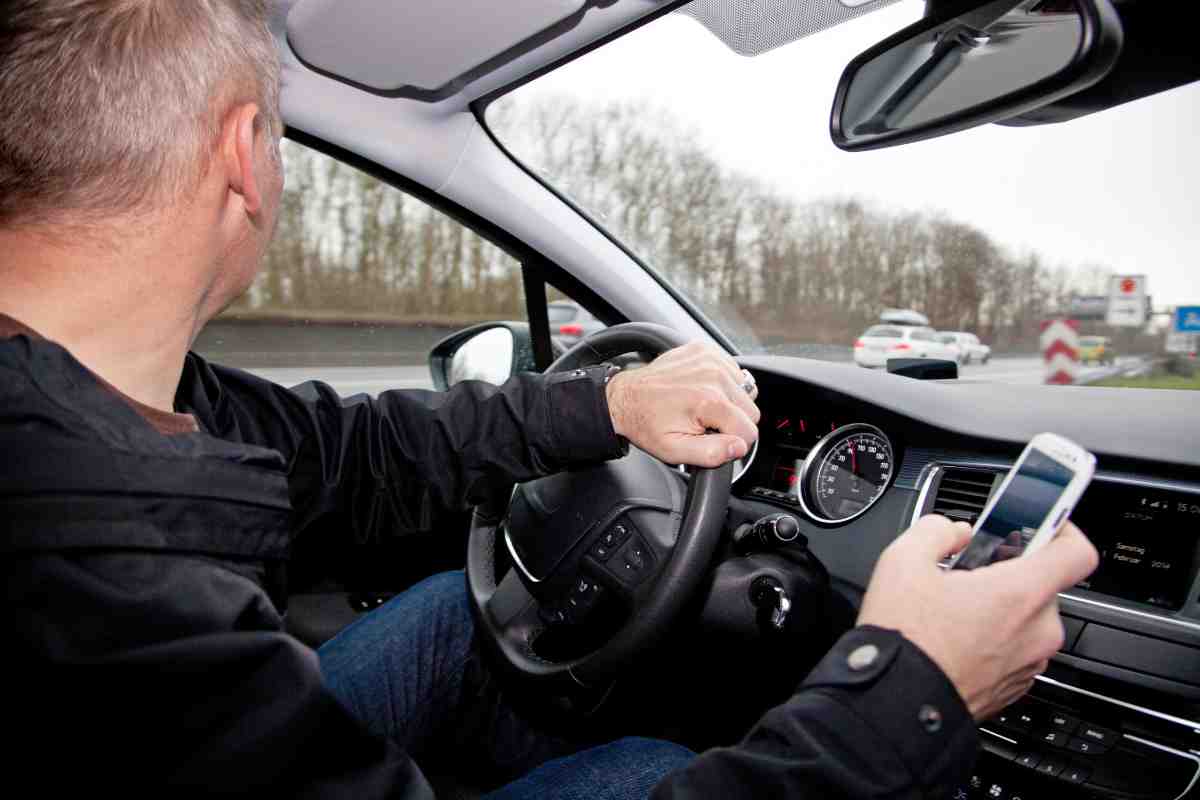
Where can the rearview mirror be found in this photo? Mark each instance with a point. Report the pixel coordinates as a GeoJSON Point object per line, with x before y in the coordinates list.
{"type": "Point", "coordinates": [955, 70]}
{"type": "Point", "coordinates": [923, 369]}
{"type": "Point", "coordinates": [492, 352]}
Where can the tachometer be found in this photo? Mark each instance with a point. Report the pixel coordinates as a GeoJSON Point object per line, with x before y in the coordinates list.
{"type": "Point", "coordinates": [846, 472]}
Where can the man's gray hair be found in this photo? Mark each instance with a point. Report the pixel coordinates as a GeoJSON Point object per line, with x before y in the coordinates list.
{"type": "Point", "coordinates": [114, 106]}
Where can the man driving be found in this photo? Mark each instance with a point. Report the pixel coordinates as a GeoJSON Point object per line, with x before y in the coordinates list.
{"type": "Point", "coordinates": [150, 498]}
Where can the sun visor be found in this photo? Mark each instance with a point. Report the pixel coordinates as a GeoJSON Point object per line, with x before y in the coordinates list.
{"type": "Point", "coordinates": [754, 27]}
{"type": "Point", "coordinates": [421, 49]}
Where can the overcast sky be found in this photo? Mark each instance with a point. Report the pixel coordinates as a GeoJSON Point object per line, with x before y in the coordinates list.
{"type": "Point", "coordinates": [1116, 188]}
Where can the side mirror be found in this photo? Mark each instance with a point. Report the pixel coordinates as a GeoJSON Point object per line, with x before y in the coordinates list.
{"type": "Point", "coordinates": [960, 68]}
{"type": "Point", "coordinates": [491, 352]}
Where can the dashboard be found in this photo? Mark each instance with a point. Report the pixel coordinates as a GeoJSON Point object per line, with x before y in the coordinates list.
{"type": "Point", "coordinates": [857, 456]}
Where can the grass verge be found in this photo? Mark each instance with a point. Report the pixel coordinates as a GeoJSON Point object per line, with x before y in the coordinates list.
{"type": "Point", "coordinates": [1160, 380]}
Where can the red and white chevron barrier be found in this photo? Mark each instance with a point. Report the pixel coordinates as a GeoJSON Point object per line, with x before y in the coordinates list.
{"type": "Point", "coordinates": [1060, 350]}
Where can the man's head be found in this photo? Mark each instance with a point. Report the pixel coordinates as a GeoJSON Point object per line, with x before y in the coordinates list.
{"type": "Point", "coordinates": [118, 110]}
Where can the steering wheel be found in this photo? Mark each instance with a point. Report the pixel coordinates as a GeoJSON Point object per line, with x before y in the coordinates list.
{"type": "Point", "coordinates": [625, 533]}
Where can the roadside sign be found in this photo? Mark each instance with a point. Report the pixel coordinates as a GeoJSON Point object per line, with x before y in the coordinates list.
{"type": "Point", "coordinates": [1060, 350]}
{"type": "Point", "coordinates": [1181, 342]}
{"type": "Point", "coordinates": [1089, 307]}
{"type": "Point", "coordinates": [1126, 301]}
{"type": "Point", "coordinates": [1187, 319]}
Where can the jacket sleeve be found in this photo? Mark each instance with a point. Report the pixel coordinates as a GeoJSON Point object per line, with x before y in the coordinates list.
{"type": "Point", "coordinates": [394, 463]}
{"type": "Point", "coordinates": [875, 718]}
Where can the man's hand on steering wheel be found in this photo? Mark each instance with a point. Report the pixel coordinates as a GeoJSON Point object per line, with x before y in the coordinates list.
{"type": "Point", "coordinates": [691, 405]}
{"type": "Point", "coordinates": [633, 526]}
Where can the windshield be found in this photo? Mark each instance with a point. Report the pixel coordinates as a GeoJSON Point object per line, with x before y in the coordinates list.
{"type": "Point", "coordinates": [719, 172]}
{"type": "Point", "coordinates": [883, 330]}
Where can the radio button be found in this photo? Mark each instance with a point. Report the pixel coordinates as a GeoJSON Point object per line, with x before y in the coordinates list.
{"type": "Point", "coordinates": [997, 792]}
{"type": "Point", "coordinates": [1016, 718]}
{"type": "Point", "coordinates": [1094, 733]}
{"type": "Point", "coordinates": [1062, 722]}
{"type": "Point", "coordinates": [1085, 747]}
{"type": "Point", "coordinates": [1053, 738]}
{"type": "Point", "coordinates": [1075, 774]}
{"type": "Point", "coordinates": [1028, 760]}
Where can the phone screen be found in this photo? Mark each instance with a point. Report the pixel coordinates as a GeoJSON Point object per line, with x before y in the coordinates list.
{"type": "Point", "coordinates": [1019, 512]}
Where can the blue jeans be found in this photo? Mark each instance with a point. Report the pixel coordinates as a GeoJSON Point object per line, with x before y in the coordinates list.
{"type": "Point", "coordinates": [411, 670]}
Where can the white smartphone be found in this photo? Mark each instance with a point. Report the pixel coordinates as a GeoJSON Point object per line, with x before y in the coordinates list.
{"type": "Point", "coordinates": [1032, 503]}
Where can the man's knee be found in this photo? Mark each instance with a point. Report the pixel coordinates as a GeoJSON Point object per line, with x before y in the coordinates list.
{"type": "Point", "coordinates": [652, 758]}
{"type": "Point", "coordinates": [446, 595]}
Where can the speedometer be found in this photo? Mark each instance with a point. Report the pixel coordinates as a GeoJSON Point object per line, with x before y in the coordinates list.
{"type": "Point", "coordinates": [846, 472]}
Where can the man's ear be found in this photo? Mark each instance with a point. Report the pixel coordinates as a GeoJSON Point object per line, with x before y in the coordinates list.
{"type": "Point", "coordinates": [238, 147]}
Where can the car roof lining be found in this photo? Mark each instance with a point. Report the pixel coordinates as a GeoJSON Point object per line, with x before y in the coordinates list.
{"type": "Point", "coordinates": [433, 52]}
{"type": "Point", "coordinates": [440, 54]}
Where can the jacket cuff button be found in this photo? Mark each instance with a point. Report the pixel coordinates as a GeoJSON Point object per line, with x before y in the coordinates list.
{"type": "Point", "coordinates": [862, 657]}
{"type": "Point", "coordinates": [930, 718]}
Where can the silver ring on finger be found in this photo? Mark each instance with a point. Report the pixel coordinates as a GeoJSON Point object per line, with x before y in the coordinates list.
{"type": "Point", "coordinates": [748, 384]}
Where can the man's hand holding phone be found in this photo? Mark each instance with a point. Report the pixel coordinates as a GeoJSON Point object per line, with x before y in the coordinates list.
{"type": "Point", "coordinates": [992, 629]}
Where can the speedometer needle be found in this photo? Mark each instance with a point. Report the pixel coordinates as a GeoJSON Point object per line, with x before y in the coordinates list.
{"type": "Point", "coordinates": [853, 461]}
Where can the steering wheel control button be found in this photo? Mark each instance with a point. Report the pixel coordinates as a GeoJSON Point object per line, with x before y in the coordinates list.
{"type": "Point", "coordinates": [1049, 767]}
{"type": "Point", "coordinates": [582, 598]}
{"type": "Point", "coordinates": [862, 657]}
{"type": "Point", "coordinates": [609, 541]}
{"type": "Point", "coordinates": [931, 718]}
{"type": "Point", "coordinates": [615, 536]}
{"type": "Point", "coordinates": [552, 616]}
{"type": "Point", "coordinates": [575, 606]}
{"type": "Point", "coordinates": [635, 557]}
{"type": "Point", "coordinates": [632, 562]}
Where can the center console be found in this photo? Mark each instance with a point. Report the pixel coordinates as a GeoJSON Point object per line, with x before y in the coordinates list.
{"type": "Point", "coordinates": [1064, 741]}
{"type": "Point", "coordinates": [1118, 713]}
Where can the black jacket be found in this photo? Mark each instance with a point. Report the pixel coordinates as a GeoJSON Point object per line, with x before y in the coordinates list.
{"type": "Point", "coordinates": [144, 573]}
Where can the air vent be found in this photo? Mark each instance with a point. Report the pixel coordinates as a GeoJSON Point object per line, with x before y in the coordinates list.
{"type": "Point", "coordinates": [962, 493]}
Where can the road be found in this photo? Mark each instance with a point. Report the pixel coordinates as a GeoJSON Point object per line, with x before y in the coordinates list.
{"type": "Point", "coordinates": [371, 358]}
{"type": "Point", "coordinates": [373, 380]}
{"type": "Point", "coordinates": [1026, 370]}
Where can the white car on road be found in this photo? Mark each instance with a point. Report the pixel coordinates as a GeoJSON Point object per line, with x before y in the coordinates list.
{"type": "Point", "coordinates": [951, 341]}
{"type": "Point", "coordinates": [972, 349]}
{"type": "Point", "coordinates": [881, 342]}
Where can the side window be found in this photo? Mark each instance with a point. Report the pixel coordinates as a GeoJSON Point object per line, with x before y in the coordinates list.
{"type": "Point", "coordinates": [360, 281]}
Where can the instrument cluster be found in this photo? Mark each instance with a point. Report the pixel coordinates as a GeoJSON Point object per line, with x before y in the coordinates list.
{"type": "Point", "coordinates": [832, 469]}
